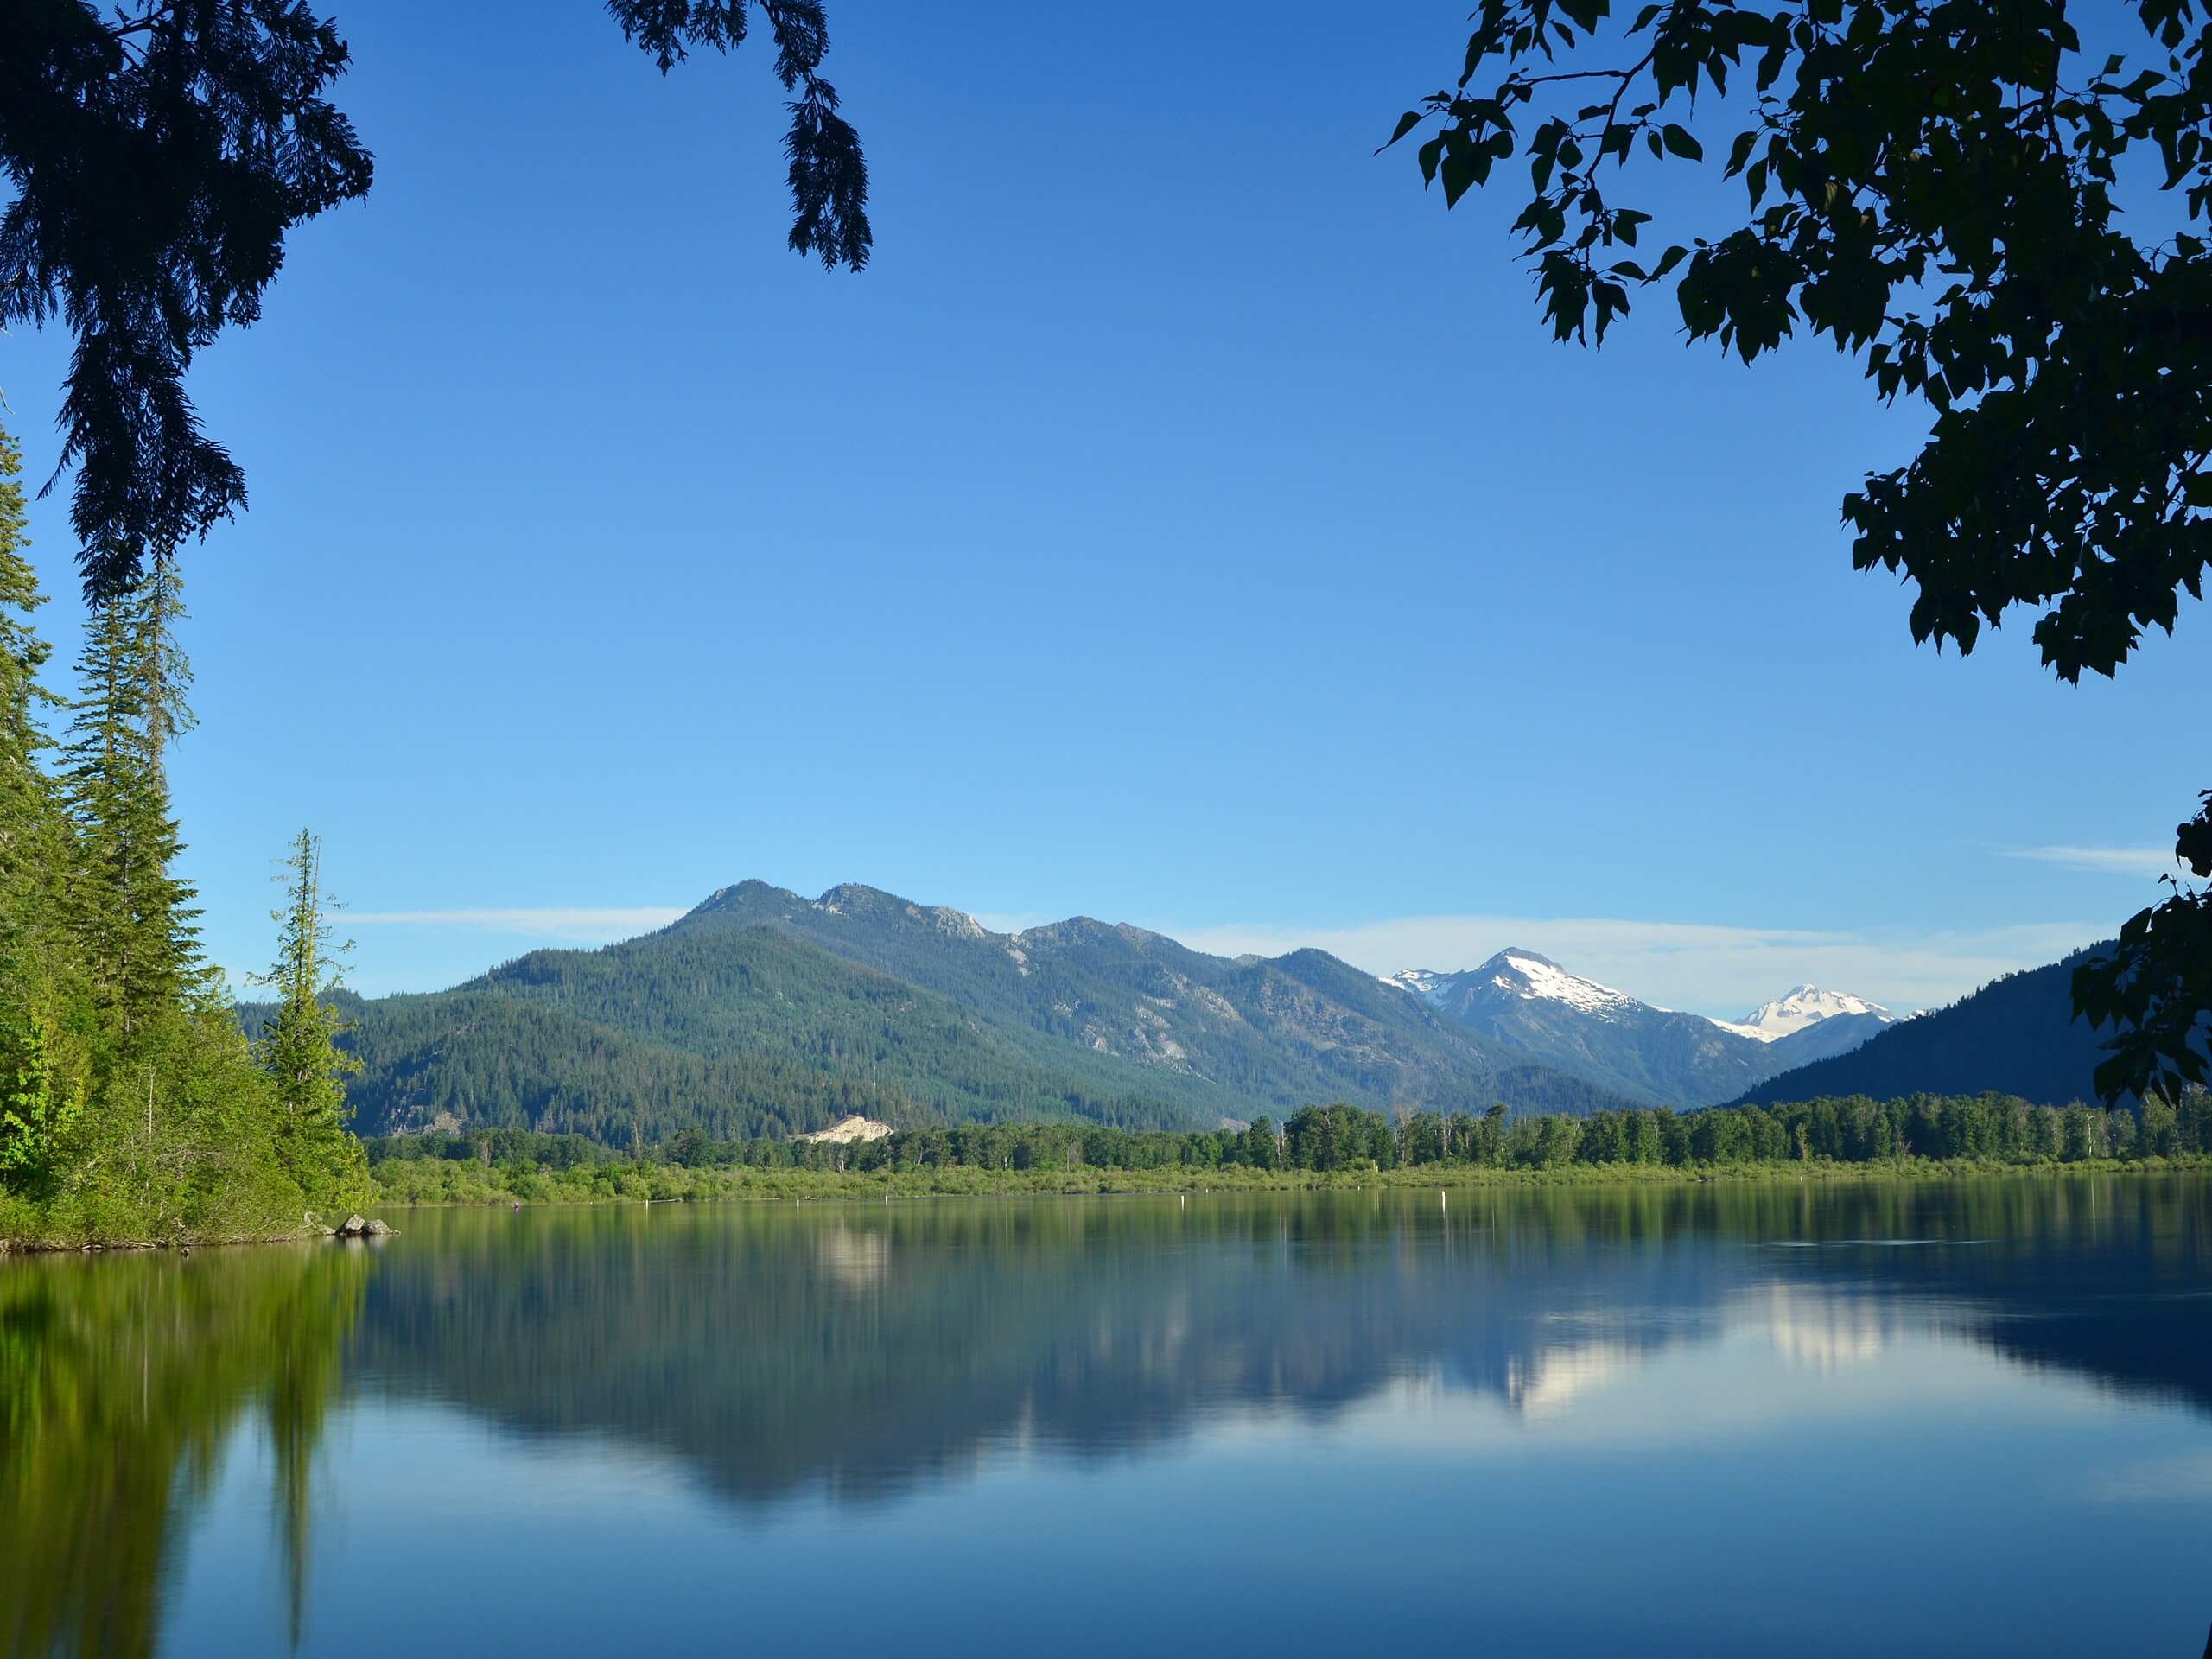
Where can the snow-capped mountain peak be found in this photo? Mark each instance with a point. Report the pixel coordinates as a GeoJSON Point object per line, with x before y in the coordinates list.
{"type": "Point", "coordinates": [1522, 974]}
{"type": "Point", "coordinates": [1807, 1005]}
{"type": "Point", "coordinates": [1532, 977]}
{"type": "Point", "coordinates": [1526, 1002]}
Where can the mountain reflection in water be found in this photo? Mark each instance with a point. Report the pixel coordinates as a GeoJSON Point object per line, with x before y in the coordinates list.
{"type": "Point", "coordinates": [855, 1353]}
{"type": "Point", "coordinates": [863, 1347]}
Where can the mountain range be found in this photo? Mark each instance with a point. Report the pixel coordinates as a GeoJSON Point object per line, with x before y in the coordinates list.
{"type": "Point", "coordinates": [1528, 1004]}
{"type": "Point", "coordinates": [762, 1012]}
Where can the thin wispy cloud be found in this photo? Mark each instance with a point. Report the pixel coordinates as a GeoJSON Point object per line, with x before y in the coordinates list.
{"type": "Point", "coordinates": [586, 924]}
{"type": "Point", "coordinates": [1697, 967]}
{"type": "Point", "coordinates": [2104, 860]}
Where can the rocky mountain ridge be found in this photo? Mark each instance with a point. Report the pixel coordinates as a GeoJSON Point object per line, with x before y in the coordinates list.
{"type": "Point", "coordinates": [1526, 1002]}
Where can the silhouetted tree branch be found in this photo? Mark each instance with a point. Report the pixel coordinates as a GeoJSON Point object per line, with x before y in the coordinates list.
{"type": "Point", "coordinates": [159, 151]}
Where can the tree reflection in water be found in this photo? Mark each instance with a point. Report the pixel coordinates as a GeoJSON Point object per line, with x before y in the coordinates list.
{"type": "Point", "coordinates": [121, 1383]}
{"type": "Point", "coordinates": [862, 1351]}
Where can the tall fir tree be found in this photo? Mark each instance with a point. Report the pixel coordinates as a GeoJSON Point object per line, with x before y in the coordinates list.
{"type": "Point", "coordinates": [133, 914]}
{"type": "Point", "coordinates": [299, 1047]}
{"type": "Point", "coordinates": [163, 673]}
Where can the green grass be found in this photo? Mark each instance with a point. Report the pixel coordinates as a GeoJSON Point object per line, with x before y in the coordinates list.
{"type": "Point", "coordinates": [442, 1182]}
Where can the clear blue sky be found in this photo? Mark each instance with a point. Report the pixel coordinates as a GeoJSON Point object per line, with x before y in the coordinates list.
{"type": "Point", "coordinates": [1184, 521]}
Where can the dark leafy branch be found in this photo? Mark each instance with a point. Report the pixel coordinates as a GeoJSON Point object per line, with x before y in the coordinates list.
{"type": "Point", "coordinates": [157, 163]}
{"type": "Point", "coordinates": [160, 151]}
{"type": "Point", "coordinates": [2156, 988]}
{"type": "Point", "coordinates": [828, 176]}
{"type": "Point", "coordinates": [1930, 184]}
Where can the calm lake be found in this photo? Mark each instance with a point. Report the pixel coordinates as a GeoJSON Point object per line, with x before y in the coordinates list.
{"type": "Point", "coordinates": [1758, 1420]}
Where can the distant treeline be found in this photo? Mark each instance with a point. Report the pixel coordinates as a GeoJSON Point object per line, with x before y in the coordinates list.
{"type": "Point", "coordinates": [1850, 1130]}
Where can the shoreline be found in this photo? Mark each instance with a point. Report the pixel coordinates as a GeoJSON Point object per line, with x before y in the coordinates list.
{"type": "Point", "coordinates": [51, 1244]}
{"type": "Point", "coordinates": [826, 1187]}
{"type": "Point", "coordinates": [680, 1186]}
{"type": "Point", "coordinates": [48, 1246]}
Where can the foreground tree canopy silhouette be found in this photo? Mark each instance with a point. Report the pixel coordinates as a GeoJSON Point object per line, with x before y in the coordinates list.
{"type": "Point", "coordinates": [161, 149]}
{"type": "Point", "coordinates": [1933, 185]}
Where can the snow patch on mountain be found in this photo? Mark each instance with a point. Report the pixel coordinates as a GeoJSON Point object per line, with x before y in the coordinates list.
{"type": "Point", "coordinates": [1525, 975]}
{"type": "Point", "coordinates": [1807, 1005]}
{"type": "Point", "coordinates": [1531, 977]}
{"type": "Point", "coordinates": [1420, 981]}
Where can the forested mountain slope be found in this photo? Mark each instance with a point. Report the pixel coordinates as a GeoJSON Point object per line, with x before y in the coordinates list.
{"type": "Point", "coordinates": [1282, 1031]}
{"type": "Point", "coordinates": [743, 1033]}
{"type": "Point", "coordinates": [762, 1014]}
{"type": "Point", "coordinates": [2015, 1036]}
{"type": "Point", "coordinates": [1837, 1034]}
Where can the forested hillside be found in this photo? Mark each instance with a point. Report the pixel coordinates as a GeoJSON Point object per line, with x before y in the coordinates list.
{"type": "Point", "coordinates": [742, 1032]}
{"type": "Point", "coordinates": [1279, 1031]}
{"type": "Point", "coordinates": [762, 1014]}
{"type": "Point", "coordinates": [2017, 1035]}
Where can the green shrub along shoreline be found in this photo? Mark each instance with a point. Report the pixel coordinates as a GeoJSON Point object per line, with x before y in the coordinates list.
{"type": "Point", "coordinates": [1919, 1138]}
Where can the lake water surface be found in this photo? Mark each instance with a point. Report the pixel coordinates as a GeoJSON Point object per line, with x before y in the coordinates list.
{"type": "Point", "coordinates": [1727, 1420]}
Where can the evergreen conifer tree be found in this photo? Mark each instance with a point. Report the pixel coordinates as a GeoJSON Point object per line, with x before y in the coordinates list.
{"type": "Point", "coordinates": [132, 913]}
{"type": "Point", "coordinates": [299, 1047]}
{"type": "Point", "coordinates": [163, 673]}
